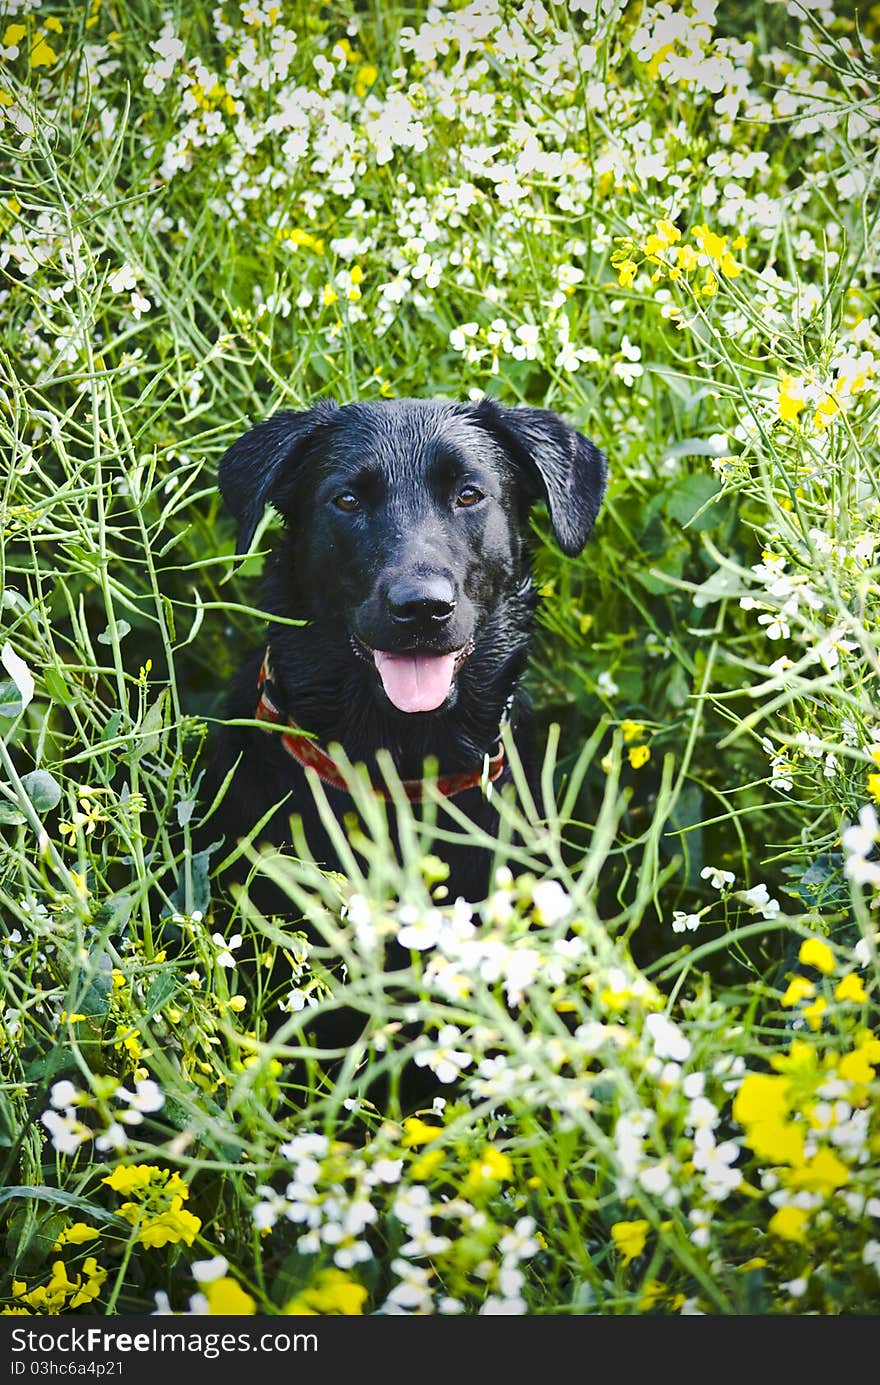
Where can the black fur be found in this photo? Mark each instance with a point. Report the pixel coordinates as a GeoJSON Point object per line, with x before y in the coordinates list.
{"type": "Point", "coordinates": [411, 568]}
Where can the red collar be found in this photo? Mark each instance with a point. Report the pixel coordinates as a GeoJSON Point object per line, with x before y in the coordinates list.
{"type": "Point", "coordinates": [309, 754]}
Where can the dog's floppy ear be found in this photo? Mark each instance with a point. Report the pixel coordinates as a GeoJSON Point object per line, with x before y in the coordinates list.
{"type": "Point", "coordinates": [561, 466]}
{"type": "Point", "coordinates": [253, 471]}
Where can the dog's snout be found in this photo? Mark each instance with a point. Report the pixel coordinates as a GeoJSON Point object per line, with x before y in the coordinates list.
{"type": "Point", "coordinates": [419, 599]}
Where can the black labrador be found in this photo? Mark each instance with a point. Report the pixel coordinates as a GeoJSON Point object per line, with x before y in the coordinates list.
{"type": "Point", "coordinates": [406, 556]}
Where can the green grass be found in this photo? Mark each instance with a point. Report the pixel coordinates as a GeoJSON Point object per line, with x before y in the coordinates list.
{"type": "Point", "coordinates": [665, 1094]}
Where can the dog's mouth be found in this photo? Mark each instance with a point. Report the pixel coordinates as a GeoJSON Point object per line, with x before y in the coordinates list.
{"type": "Point", "coordinates": [416, 680]}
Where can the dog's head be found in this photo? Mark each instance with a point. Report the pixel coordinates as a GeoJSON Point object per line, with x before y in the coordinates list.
{"type": "Point", "coordinates": [407, 521]}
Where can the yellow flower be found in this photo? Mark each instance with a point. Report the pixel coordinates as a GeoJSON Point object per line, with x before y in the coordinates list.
{"type": "Point", "coordinates": [824, 1173]}
{"type": "Point", "coordinates": [652, 1293]}
{"type": "Point", "coordinates": [426, 1163]}
{"type": "Point", "coordinates": [710, 285]}
{"type": "Point", "coordinates": [418, 1132]}
{"type": "Point", "coordinates": [813, 1013]}
{"type": "Point", "coordinates": [825, 412]}
{"type": "Point", "coordinates": [790, 403]}
{"type": "Point", "coordinates": [129, 1040]}
{"type": "Point", "coordinates": [626, 273]}
{"type": "Point", "coordinates": [712, 245]}
{"type": "Point", "coordinates": [304, 238]}
{"type": "Point", "coordinates": [852, 987]}
{"type": "Point", "coordinates": [41, 54]}
{"type": "Point", "coordinates": [366, 76]}
{"type": "Point", "coordinates": [77, 1234]}
{"type": "Point", "coordinates": [629, 1238]}
{"type": "Point", "coordinates": [226, 1297]}
{"type": "Point", "coordinates": [13, 35]}
{"type": "Point", "coordinates": [789, 1223]}
{"type": "Point", "coordinates": [332, 1292]}
{"type": "Point", "coordinates": [639, 755]}
{"type": "Point", "coordinates": [493, 1166]}
{"type": "Point", "coordinates": [858, 1066]}
{"type": "Point", "coordinates": [669, 231]}
{"type": "Point", "coordinates": [761, 1107]}
{"type": "Point", "coordinates": [131, 1178]}
{"type": "Point", "coordinates": [814, 953]}
{"type": "Point", "coordinates": [779, 1141]}
{"type": "Point", "coordinates": [874, 787]}
{"type": "Point", "coordinates": [166, 1228]}
{"type": "Point", "coordinates": [88, 1287]}
{"type": "Point", "coordinates": [665, 235]}
{"type": "Point", "coordinates": [145, 1179]}
{"type": "Point", "coordinates": [653, 66]}
{"type": "Point", "coordinates": [799, 988]}
{"type": "Point", "coordinates": [631, 729]}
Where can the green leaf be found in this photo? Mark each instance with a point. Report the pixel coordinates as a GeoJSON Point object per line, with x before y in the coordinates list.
{"type": "Point", "coordinates": [150, 728]}
{"type": "Point", "coordinates": [200, 884]}
{"type": "Point", "coordinates": [31, 1237]}
{"type": "Point", "coordinates": [95, 999]}
{"type": "Point", "coordinates": [686, 502]}
{"type": "Point", "coordinates": [42, 790]}
{"type": "Point", "coordinates": [19, 673]}
{"type": "Point", "coordinates": [122, 629]}
{"type": "Point", "coordinates": [10, 699]}
{"type": "Point", "coordinates": [56, 686]}
{"type": "Point", "coordinates": [30, 1192]}
{"type": "Point", "coordinates": [112, 727]}
{"type": "Point", "coordinates": [720, 584]}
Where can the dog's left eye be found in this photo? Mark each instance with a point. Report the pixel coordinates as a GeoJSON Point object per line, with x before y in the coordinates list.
{"type": "Point", "coordinates": [468, 495]}
{"type": "Point", "coordinates": [347, 502]}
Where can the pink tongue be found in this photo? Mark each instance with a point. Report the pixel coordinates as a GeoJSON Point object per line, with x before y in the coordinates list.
{"type": "Point", "coordinates": [415, 682]}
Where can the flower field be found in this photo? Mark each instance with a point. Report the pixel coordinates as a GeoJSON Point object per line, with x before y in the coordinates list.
{"type": "Point", "coordinates": [648, 1062]}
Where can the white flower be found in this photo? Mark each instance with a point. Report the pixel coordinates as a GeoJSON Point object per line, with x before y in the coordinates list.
{"type": "Point", "coordinates": [718, 879]}
{"type": "Point", "coordinates": [63, 1094]}
{"type": "Point", "coordinates": [656, 1179]}
{"type": "Point", "coordinates": [66, 1131]}
{"type": "Point", "coordinates": [411, 1291]}
{"type": "Point", "coordinates": [796, 1288]}
{"type": "Point", "coordinates": [759, 901]}
{"type": "Point", "coordinates": [681, 921]}
{"type": "Point", "coordinates": [307, 1146]}
{"type": "Point", "coordinates": [386, 1171]}
{"type": "Point", "coordinates": [715, 1161]}
{"type": "Point", "coordinates": [225, 949]}
{"type": "Point", "coordinates": [667, 1038]}
{"type": "Point", "coordinates": [139, 304]}
{"type": "Point", "coordinates": [147, 1096]}
{"type": "Point", "coordinates": [606, 684]}
{"type": "Point", "coordinates": [520, 1243]}
{"type": "Point", "coordinates": [445, 1061]}
{"type": "Point", "coordinates": [858, 841]}
{"type": "Point", "coordinates": [206, 1271]}
{"type": "Point", "coordinates": [420, 928]}
{"type": "Point", "coordinates": [551, 901]}
{"type": "Point", "coordinates": [114, 1138]}
{"type": "Point", "coordinates": [123, 279]}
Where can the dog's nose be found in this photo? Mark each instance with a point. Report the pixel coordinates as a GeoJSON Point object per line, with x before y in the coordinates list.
{"type": "Point", "coordinates": [418, 600]}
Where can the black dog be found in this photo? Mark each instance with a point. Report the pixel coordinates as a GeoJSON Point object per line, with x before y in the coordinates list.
{"type": "Point", "coordinates": [406, 555]}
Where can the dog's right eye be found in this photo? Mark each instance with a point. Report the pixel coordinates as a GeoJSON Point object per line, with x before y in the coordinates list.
{"type": "Point", "coordinates": [347, 501]}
